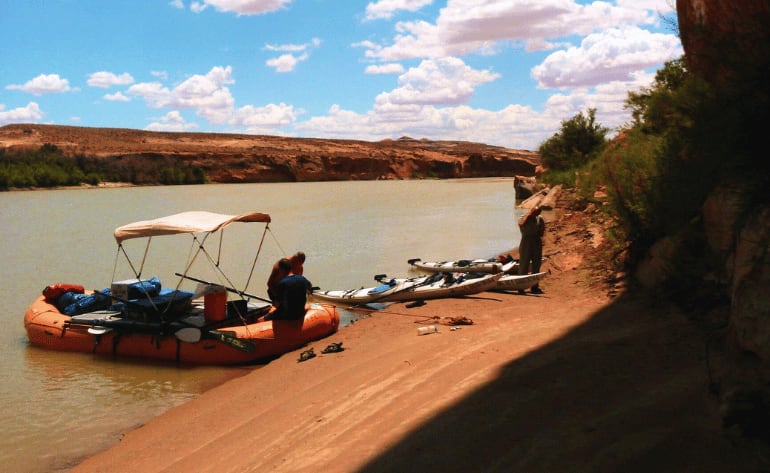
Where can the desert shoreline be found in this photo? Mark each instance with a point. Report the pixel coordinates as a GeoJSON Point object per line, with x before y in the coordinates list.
{"type": "Point", "coordinates": [571, 380]}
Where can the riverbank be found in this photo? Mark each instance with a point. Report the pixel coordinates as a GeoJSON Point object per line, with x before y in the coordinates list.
{"type": "Point", "coordinates": [571, 380]}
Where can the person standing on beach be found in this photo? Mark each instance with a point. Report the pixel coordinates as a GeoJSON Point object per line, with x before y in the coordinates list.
{"type": "Point", "coordinates": [280, 270]}
{"type": "Point", "coordinates": [532, 228]}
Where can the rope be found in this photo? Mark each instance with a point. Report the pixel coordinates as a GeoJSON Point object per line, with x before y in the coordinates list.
{"type": "Point", "coordinates": [283, 252]}
{"type": "Point", "coordinates": [428, 319]}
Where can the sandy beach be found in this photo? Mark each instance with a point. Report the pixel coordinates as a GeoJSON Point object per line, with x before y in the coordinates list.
{"type": "Point", "coordinates": [571, 380]}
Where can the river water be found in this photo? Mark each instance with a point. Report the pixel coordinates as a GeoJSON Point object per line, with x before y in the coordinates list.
{"type": "Point", "coordinates": [59, 407]}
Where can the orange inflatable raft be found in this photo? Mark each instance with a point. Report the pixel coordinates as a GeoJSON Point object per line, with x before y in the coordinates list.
{"type": "Point", "coordinates": [236, 340]}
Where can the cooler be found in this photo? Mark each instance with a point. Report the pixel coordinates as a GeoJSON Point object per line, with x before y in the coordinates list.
{"type": "Point", "coordinates": [215, 304]}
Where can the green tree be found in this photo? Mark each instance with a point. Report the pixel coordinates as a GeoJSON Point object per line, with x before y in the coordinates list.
{"type": "Point", "coordinates": [578, 141]}
{"type": "Point", "coordinates": [653, 108]}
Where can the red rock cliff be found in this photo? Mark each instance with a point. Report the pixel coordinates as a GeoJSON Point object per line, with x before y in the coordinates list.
{"type": "Point", "coordinates": [250, 158]}
{"type": "Point", "coordinates": [720, 36]}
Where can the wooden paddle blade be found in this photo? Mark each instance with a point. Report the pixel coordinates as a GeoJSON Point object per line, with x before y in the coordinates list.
{"type": "Point", "coordinates": [188, 334]}
{"type": "Point", "coordinates": [227, 339]}
{"type": "Point", "coordinates": [98, 330]}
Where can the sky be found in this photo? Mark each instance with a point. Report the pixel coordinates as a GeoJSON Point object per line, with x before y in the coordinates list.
{"type": "Point", "coordinates": [500, 72]}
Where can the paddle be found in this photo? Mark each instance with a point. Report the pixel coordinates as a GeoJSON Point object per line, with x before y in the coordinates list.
{"type": "Point", "coordinates": [181, 330]}
{"type": "Point", "coordinates": [230, 340]}
{"type": "Point", "coordinates": [229, 289]}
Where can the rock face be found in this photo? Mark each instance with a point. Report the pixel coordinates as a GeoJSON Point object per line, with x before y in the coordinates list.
{"type": "Point", "coordinates": [230, 158]}
{"type": "Point", "coordinates": [726, 42]}
{"type": "Point", "coordinates": [750, 313]}
{"type": "Point", "coordinates": [720, 36]}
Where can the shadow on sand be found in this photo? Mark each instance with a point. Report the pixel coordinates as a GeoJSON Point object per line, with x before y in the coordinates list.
{"type": "Point", "coordinates": [627, 391]}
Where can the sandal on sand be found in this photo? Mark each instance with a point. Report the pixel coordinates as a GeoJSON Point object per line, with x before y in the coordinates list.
{"type": "Point", "coordinates": [457, 321]}
{"type": "Point", "coordinates": [306, 355]}
{"type": "Point", "coordinates": [333, 348]}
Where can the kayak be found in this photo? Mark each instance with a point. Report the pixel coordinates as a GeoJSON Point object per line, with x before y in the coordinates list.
{"type": "Point", "coordinates": [436, 286]}
{"type": "Point", "coordinates": [458, 266]}
{"type": "Point", "coordinates": [513, 282]}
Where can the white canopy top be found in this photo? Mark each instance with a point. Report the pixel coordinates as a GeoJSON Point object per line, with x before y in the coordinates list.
{"type": "Point", "coordinates": [185, 222]}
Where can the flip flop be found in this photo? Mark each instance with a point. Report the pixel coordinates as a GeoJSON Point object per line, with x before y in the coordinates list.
{"type": "Point", "coordinates": [306, 355]}
{"type": "Point", "coordinates": [333, 348]}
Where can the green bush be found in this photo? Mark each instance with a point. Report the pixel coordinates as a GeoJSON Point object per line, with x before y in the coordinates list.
{"type": "Point", "coordinates": [629, 172]}
{"type": "Point", "coordinates": [49, 167]}
{"type": "Point", "coordinates": [578, 141]}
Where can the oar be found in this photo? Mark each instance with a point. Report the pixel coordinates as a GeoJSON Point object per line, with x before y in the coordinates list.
{"type": "Point", "coordinates": [181, 330]}
{"type": "Point", "coordinates": [134, 324]}
{"type": "Point", "coordinates": [229, 289]}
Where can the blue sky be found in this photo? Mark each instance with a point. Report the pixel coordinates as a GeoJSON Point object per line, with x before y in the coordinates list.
{"type": "Point", "coordinates": [501, 72]}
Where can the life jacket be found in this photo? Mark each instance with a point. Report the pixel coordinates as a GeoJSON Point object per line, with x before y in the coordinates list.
{"type": "Point", "coordinates": [54, 291]}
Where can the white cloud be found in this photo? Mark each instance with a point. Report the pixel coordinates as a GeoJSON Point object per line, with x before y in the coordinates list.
{"type": "Point", "coordinates": [465, 21]}
{"type": "Point", "coordinates": [43, 84]}
{"type": "Point", "coordinates": [104, 79]}
{"type": "Point", "coordinates": [264, 119]}
{"type": "Point", "coordinates": [659, 7]}
{"type": "Point", "coordinates": [391, 68]}
{"type": "Point", "coordinates": [612, 55]}
{"type": "Point", "coordinates": [247, 7]}
{"type": "Point", "coordinates": [177, 4]}
{"type": "Point", "coordinates": [473, 26]}
{"type": "Point", "coordinates": [206, 94]}
{"type": "Point", "coordinates": [116, 97]}
{"type": "Point", "coordinates": [413, 39]}
{"type": "Point", "coordinates": [385, 9]}
{"type": "Point", "coordinates": [437, 82]}
{"type": "Point", "coordinates": [30, 113]}
{"type": "Point", "coordinates": [515, 126]}
{"type": "Point", "coordinates": [172, 121]}
{"type": "Point", "coordinates": [293, 48]}
{"type": "Point", "coordinates": [608, 99]}
{"type": "Point", "coordinates": [211, 99]}
{"type": "Point", "coordinates": [611, 60]}
{"type": "Point", "coordinates": [162, 75]}
{"type": "Point", "coordinates": [286, 62]}
{"type": "Point", "coordinates": [198, 7]}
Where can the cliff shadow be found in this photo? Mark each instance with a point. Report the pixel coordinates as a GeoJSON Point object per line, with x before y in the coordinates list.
{"type": "Point", "coordinates": [626, 391]}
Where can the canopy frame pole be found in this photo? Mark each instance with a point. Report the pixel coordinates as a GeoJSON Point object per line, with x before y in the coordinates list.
{"type": "Point", "coordinates": [197, 252]}
{"type": "Point", "coordinates": [219, 250]}
{"type": "Point", "coordinates": [122, 249]}
{"type": "Point", "coordinates": [144, 257]}
{"type": "Point", "coordinates": [256, 257]}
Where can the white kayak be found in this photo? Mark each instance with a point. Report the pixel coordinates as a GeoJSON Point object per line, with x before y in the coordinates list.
{"type": "Point", "coordinates": [507, 282]}
{"type": "Point", "coordinates": [513, 282]}
{"type": "Point", "coordinates": [458, 266]}
{"type": "Point", "coordinates": [435, 286]}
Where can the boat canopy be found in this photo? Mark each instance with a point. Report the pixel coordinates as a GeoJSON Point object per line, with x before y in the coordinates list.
{"type": "Point", "coordinates": [185, 222]}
